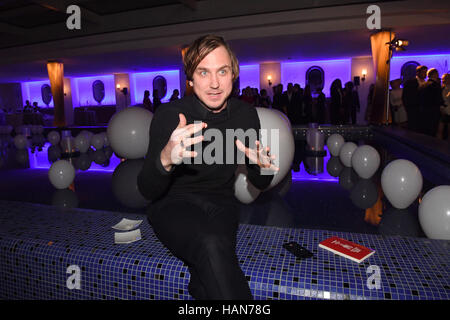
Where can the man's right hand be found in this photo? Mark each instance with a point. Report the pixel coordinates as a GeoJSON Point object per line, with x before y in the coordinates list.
{"type": "Point", "coordinates": [175, 150]}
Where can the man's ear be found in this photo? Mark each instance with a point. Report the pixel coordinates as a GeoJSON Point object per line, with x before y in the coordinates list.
{"type": "Point", "coordinates": [191, 83]}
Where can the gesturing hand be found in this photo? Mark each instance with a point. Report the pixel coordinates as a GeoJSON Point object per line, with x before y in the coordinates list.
{"type": "Point", "coordinates": [261, 156]}
{"type": "Point", "coordinates": [175, 150]}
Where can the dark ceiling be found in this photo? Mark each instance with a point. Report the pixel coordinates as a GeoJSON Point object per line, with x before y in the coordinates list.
{"type": "Point", "coordinates": [33, 15]}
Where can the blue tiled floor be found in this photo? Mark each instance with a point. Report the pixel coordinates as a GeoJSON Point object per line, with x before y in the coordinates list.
{"type": "Point", "coordinates": [38, 243]}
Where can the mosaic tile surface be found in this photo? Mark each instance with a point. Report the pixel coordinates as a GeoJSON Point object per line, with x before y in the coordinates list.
{"type": "Point", "coordinates": [38, 243]}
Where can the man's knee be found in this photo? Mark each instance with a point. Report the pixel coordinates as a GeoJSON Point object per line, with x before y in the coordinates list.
{"type": "Point", "coordinates": [215, 246]}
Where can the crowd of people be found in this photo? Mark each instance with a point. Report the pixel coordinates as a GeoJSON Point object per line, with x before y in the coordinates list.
{"type": "Point", "coordinates": [303, 106]}
{"type": "Point", "coordinates": [423, 104]}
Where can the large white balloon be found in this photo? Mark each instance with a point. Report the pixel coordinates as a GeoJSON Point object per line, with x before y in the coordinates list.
{"type": "Point", "coordinates": [244, 191]}
{"type": "Point", "coordinates": [128, 132]}
{"type": "Point", "coordinates": [401, 181]}
{"type": "Point", "coordinates": [365, 160]}
{"type": "Point", "coordinates": [20, 141]}
{"type": "Point", "coordinates": [53, 137]}
{"type": "Point", "coordinates": [276, 133]}
{"type": "Point", "coordinates": [346, 153]}
{"type": "Point", "coordinates": [335, 143]}
{"type": "Point", "coordinates": [434, 213]}
{"type": "Point", "coordinates": [61, 174]}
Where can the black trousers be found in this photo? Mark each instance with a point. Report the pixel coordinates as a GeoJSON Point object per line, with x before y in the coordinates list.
{"type": "Point", "coordinates": [200, 230]}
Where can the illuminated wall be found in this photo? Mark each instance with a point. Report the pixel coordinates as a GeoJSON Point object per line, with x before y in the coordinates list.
{"type": "Point", "coordinates": [295, 72]}
{"type": "Point", "coordinates": [439, 61]}
{"type": "Point", "coordinates": [144, 81]}
{"type": "Point", "coordinates": [32, 91]}
{"type": "Point", "coordinates": [249, 76]}
{"type": "Point", "coordinates": [82, 95]}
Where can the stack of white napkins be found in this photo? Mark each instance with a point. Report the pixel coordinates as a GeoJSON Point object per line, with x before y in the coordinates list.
{"type": "Point", "coordinates": [130, 236]}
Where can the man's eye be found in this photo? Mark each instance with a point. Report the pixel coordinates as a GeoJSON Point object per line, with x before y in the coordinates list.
{"type": "Point", "coordinates": [223, 72]}
{"type": "Point", "coordinates": [203, 73]}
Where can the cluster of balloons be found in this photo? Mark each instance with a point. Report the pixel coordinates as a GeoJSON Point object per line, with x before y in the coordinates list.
{"type": "Point", "coordinates": [62, 172]}
{"type": "Point", "coordinates": [21, 140]}
{"type": "Point", "coordinates": [365, 159]}
{"type": "Point", "coordinates": [401, 182]}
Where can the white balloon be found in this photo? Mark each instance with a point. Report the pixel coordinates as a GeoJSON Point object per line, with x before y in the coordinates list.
{"type": "Point", "coordinates": [98, 141]}
{"type": "Point", "coordinates": [434, 213]}
{"type": "Point", "coordinates": [53, 137]}
{"type": "Point", "coordinates": [401, 181]}
{"type": "Point", "coordinates": [346, 153]}
{"type": "Point", "coordinates": [88, 135]}
{"type": "Point", "coordinates": [128, 132]}
{"type": "Point", "coordinates": [20, 141]}
{"type": "Point", "coordinates": [276, 133]}
{"type": "Point", "coordinates": [365, 160]}
{"type": "Point", "coordinates": [61, 174]}
{"type": "Point", "coordinates": [82, 142]}
{"type": "Point", "coordinates": [335, 143]}
{"type": "Point", "coordinates": [244, 191]}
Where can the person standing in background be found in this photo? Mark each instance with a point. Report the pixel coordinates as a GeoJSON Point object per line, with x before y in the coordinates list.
{"type": "Point", "coordinates": [444, 128]}
{"type": "Point", "coordinates": [395, 99]}
{"type": "Point", "coordinates": [156, 100]}
{"type": "Point", "coordinates": [336, 101]}
{"type": "Point", "coordinates": [431, 101]}
{"type": "Point", "coordinates": [410, 98]}
{"type": "Point", "coordinates": [147, 102]}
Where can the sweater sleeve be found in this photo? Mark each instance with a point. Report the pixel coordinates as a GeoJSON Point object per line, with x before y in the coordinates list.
{"type": "Point", "coordinates": [260, 181]}
{"type": "Point", "coordinates": [153, 180]}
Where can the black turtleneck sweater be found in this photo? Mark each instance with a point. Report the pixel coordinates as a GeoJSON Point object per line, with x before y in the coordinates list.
{"type": "Point", "coordinates": [154, 182]}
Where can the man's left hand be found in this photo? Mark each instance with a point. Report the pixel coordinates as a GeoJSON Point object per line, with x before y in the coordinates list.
{"type": "Point", "coordinates": [261, 156]}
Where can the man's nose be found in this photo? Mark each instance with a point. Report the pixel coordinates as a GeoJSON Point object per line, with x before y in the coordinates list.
{"type": "Point", "coordinates": [214, 81]}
